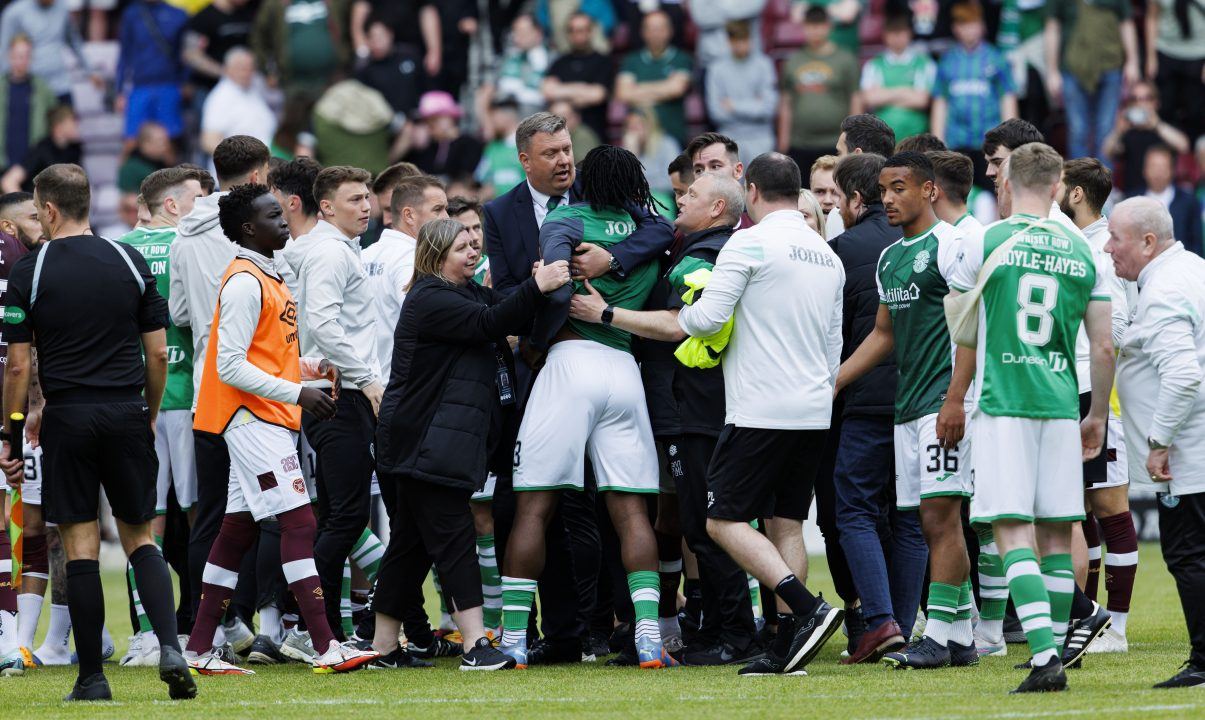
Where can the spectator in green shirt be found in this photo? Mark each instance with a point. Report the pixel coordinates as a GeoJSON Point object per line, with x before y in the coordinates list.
{"type": "Point", "coordinates": [500, 166]}
{"type": "Point", "coordinates": [819, 83]}
{"type": "Point", "coordinates": [896, 83]}
{"type": "Point", "coordinates": [657, 76]}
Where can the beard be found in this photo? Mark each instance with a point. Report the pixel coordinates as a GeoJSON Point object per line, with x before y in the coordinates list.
{"type": "Point", "coordinates": [26, 240]}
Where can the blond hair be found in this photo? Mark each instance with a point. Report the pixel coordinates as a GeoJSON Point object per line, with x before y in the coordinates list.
{"type": "Point", "coordinates": [435, 241]}
{"type": "Point", "coordinates": [808, 201]}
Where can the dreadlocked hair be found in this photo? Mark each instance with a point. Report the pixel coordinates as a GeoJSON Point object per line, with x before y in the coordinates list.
{"type": "Point", "coordinates": [613, 177]}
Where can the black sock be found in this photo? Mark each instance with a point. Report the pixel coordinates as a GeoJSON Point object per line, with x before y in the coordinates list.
{"type": "Point", "coordinates": [694, 596]}
{"type": "Point", "coordinates": [792, 592]}
{"type": "Point", "coordinates": [1081, 606]}
{"type": "Point", "coordinates": [86, 603]}
{"type": "Point", "coordinates": [155, 590]}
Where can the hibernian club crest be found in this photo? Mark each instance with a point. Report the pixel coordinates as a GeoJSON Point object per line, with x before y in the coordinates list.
{"type": "Point", "coordinates": [921, 261]}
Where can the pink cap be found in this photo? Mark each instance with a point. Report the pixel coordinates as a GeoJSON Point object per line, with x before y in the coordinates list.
{"type": "Point", "coordinates": [437, 103]}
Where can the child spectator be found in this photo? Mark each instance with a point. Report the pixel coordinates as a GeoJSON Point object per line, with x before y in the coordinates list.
{"type": "Point", "coordinates": [896, 83]}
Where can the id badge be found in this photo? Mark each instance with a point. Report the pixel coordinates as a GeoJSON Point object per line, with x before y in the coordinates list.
{"type": "Point", "coordinates": [506, 390]}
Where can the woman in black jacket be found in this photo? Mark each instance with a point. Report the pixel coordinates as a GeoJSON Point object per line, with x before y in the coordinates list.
{"type": "Point", "coordinates": [432, 433]}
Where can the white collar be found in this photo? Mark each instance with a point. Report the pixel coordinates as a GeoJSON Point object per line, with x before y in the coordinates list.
{"type": "Point", "coordinates": [1097, 226]}
{"type": "Point", "coordinates": [541, 199]}
{"type": "Point", "coordinates": [1165, 197]}
{"type": "Point", "coordinates": [1145, 275]}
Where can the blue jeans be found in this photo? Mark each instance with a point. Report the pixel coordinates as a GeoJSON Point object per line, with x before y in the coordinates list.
{"type": "Point", "coordinates": [1090, 116]}
{"type": "Point", "coordinates": [863, 481]}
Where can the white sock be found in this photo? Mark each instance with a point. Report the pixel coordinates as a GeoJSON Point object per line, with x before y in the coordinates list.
{"type": "Point", "coordinates": [8, 631]}
{"type": "Point", "coordinates": [961, 632]}
{"type": "Point", "coordinates": [938, 631]}
{"type": "Point", "coordinates": [670, 627]}
{"type": "Point", "coordinates": [219, 636]}
{"type": "Point", "coordinates": [1119, 622]}
{"type": "Point", "coordinates": [446, 622]}
{"type": "Point", "coordinates": [58, 633]}
{"type": "Point", "coordinates": [29, 611]}
{"type": "Point", "coordinates": [270, 623]}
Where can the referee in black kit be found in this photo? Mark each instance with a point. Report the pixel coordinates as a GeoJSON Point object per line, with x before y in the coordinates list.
{"type": "Point", "coordinates": [92, 305]}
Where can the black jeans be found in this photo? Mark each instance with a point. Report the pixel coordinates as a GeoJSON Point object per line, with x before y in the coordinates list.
{"type": "Point", "coordinates": [213, 482]}
{"type": "Point", "coordinates": [1182, 535]}
{"type": "Point", "coordinates": [343, 446]}
{"type": "Point", "coordinates": [727, 610]}
{"type": "Point", "coordinates": [1179, 84]}
{"type": "Point", "coordinates": [431, 524]}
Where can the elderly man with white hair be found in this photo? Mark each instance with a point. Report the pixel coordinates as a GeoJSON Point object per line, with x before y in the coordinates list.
{"type": "Point", "coordinates": [686, 405]}
{"type": "Point", "coordinates": [236, 105]}
{"type": "Point", "coordinates": [1159, 381]}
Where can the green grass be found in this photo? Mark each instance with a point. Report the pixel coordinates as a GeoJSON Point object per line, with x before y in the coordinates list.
{"type": "Point", "coordinates": [1111, 686]}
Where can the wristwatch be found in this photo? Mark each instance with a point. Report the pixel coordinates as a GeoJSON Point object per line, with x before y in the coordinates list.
{"type": "Point", "coordinates": [1153, 445]}
{"type": "Point", "coordinates": [614, 266]}
{"type": "Point", "coordinates": [608, 314]}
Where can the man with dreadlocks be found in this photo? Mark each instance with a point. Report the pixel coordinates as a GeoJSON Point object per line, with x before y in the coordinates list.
{"type": "Point", "coordinates": [589, 399]}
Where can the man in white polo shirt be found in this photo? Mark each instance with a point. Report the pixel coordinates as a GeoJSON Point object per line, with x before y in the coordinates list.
{"type": "Point", "coordinates": [779, 370]}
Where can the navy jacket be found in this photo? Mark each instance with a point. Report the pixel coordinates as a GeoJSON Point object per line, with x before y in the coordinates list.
{"type": "Point", "coordinates": [859, 248]}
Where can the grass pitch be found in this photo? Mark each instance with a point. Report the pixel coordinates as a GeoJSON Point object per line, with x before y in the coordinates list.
{"type": "Point", "coordinates": [1110, 686]}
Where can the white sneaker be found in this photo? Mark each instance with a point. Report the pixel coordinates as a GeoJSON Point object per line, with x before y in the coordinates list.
{"type": "Point", "coordinates": [990, 646]}
{"type": "Point", "coordinates": [143, 651]}
{"type": "Point", "coordinates": [1110, 641]}
{"type": "Point", "coordinates": [239, 635]}
{"type": "Point", "coordinates": [211, 664]}
{"type": "Point", "coordinates": [298, 646]}
{"type": "Point", "coordinates": [342, 658]}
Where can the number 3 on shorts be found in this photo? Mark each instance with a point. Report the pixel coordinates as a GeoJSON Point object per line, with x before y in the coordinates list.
{"type": "Point", "coordinates": [518, 451]}
{"type": "Point", "coordinates": [1037, 296]}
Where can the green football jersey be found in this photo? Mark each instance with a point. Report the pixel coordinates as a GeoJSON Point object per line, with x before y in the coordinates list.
{"type": "Point", "coordinates": [913, 277]}
{"type": "Point", "coordinates": [154, 244]}
{"type": "Point", "coordinates": [1029, 316]}
{"type": "Point", "coordinates": [605, 228]}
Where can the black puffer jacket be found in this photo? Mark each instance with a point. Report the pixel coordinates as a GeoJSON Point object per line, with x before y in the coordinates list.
{"type": "Point", "coordinates": [859, 248]}
{"type": "Point", "coordinates": [437, 412]}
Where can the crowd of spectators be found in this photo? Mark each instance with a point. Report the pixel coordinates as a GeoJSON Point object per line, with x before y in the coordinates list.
{"type": "Point", "coordinates": [444, 84]}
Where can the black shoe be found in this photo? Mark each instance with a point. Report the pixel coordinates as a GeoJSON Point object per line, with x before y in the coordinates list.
{"type": "Point", "coordinates": [1014, 634]}
{"type": "Point", "coordinates": [621, 636]}
{"type": "Point", "coordinates": [265, 652]}
{"type": "Point", "coordinates": [1190, 675]}
{"type": "Point", "coordinates": [691, 621]}
{"type": "Point", "coordinates": [626, 656]}
{"type": "Point", "coordinates": [809, 634]}
{"type": "Point", "coordinates": [1048, 678]}
{"type": "Point", "coordinates": [554, 652]}
{"type": "Point", "coordinates": [397, 660]}
{"type": "Point", "coordinates": [1082, 632]}
{"type": "Point", "coordinates": [439, 647]}
{"type": "Point", "coordinates": [93, 687]}
{"type": "Point", "coordinates": [922, 654]}
{"type": "Point", "coordinates": [366, 627]}
{"type": "Point", "coordinates": [173, 670]}
{"type": "Point", "coordinates": [768, 665]}
{"type": "Point", "coordinates": [855, 625]}
{"type": "Point", "coordinates": [963, 655]}
{"type": "Point", "coordinates": [722, 653]}
{"type": "Point", "coordinates": [484, 656]}
{"type": "Point", "coordinates": [598, 645]}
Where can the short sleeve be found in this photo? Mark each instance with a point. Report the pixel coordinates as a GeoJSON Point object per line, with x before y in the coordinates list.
{"type": "Point", "coordinates": [940, 84]}
{"type": "Point", "coordinates": [152, 307]}
{"type": "Point", "coordinates": [948, 247]}
{"type": "Point", "coordinates": [629, 64]}
{"type": "Point", "coordinates": [1003, 74]}
{"type": "Point", "coordinates": [682, 62]}
{"type": "Point", "coordinates": [967, 262]}
{"type": "Point", "coordinates": [927, 77]}
{"type": "Point", "coordinates": [1125, 11]}
{"type": "Point", "coordinates": [17, 323]}
{"type": "Point", "coordinates": [785, 81]}
{"type": "Point", "coordinates": [878, 277]}
{"type": "Point", "coordinates": [871, 76]}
